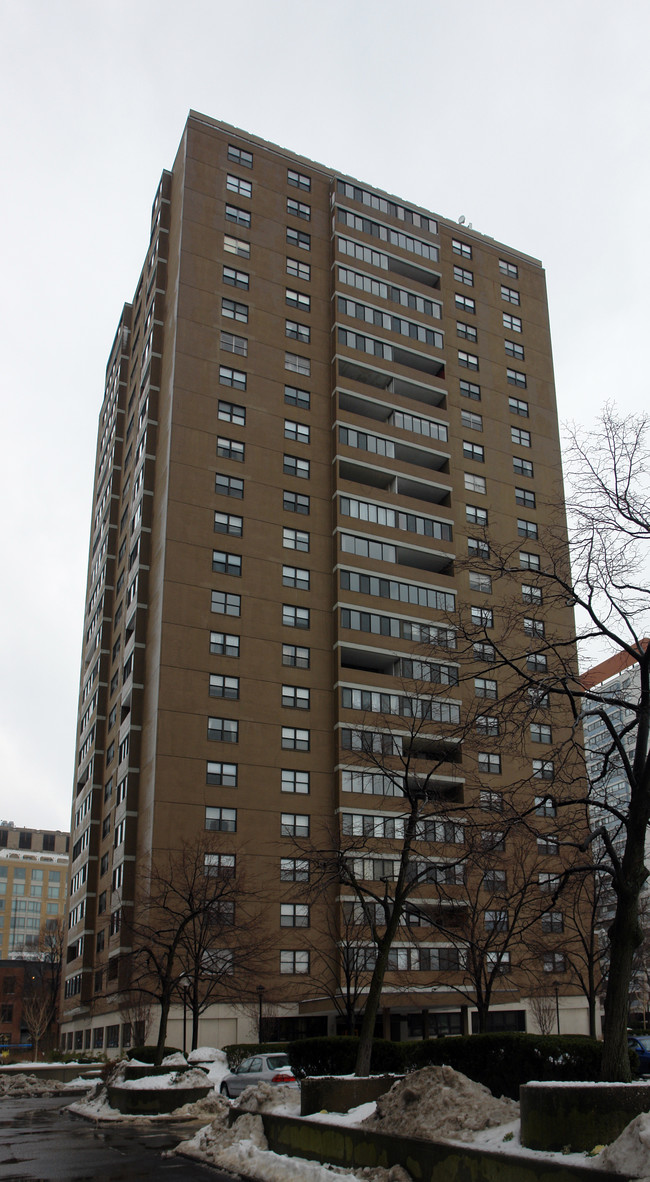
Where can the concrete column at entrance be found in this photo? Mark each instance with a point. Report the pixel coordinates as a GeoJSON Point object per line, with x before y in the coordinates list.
{"type": "Point", "coordinates": [385, 1020]}
{"type": "Point", "coordinates": [464, 1019]}
{"type": "Point", "coordinates": [425, 1024]}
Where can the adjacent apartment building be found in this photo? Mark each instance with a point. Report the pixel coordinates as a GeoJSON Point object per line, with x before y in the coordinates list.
{"type": "Point", "coordinates": [33, 880]}
{"type": "Point", "coordinates": [322, 405]}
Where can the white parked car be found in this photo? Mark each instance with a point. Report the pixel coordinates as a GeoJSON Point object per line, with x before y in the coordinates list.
{"type": "Point", "coordinates": [273, 1069]}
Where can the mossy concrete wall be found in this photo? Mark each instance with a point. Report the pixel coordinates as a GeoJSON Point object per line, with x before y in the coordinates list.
{"type": "Point", "coordinates": [425, 1161]}
{"type": "Point", "coordinates": [152, 1101]}
{"type": "Point", "coordinates": [578, 1115]}
{"type": "Point", "coordinates": [339, 1095]}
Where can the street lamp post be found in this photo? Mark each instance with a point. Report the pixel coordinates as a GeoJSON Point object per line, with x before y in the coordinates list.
{"type": "Point", "coordinates": [260, 997]}
{"type": "Point", "coordinates": [183, 983]}
{"type": "Point", "coordinates": [557, 1007]}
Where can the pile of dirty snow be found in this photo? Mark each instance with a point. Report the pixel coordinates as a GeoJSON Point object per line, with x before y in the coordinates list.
{"type": "Point", "coordinates": [266, 1097]}
{"type": "Point", "coordinates": [629, 1154]}
{"type": "Point", "coordinates": [439, 1103]}
{"type": "Point", "coordinates": [18, 1085]}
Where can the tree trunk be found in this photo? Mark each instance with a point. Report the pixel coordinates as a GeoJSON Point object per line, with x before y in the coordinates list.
{"type": "Point", "coordinates": [624, 939]}
{"type": "Point", "coordinates": [165, 1002]}
{"type": "Point", "coordinates": [364, 1053]}
{"type": "Point", "coordinates": [195, 1025]}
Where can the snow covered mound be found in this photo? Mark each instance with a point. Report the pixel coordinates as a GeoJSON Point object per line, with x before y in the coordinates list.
{"type": "Point", "coordinates": [175, 1060]}
{"type": "Point", "coordinates": [629, 1154]}
{"type": "Point", "coordinates": [207, 1055]}
{"type": "Point", "coordinates": [265, 1097]}
{"type": "Point", "coordinates": [439, 1103]}
{"type": "Point", "coordinates": [19, 1085]}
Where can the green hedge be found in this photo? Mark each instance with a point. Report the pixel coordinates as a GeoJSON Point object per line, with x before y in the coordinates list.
{"type": "Point", "coordinates": [500, 1061]}
{"type": "Point", "coordinates": [148, 1054]}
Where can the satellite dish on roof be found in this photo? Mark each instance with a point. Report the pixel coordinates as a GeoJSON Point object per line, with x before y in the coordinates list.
{"type": "Point", "coordinates": [461, 220]}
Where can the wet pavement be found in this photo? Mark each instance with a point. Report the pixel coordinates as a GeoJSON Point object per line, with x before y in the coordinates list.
{"type": "Point", "coordinates": [40, 1141]}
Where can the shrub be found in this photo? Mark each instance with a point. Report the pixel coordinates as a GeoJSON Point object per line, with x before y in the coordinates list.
{"type": "Point", "coordinates": [504, 1061]}
{"type": "Point", "coordinates": [337, 1056]}
{"type": "Point", "coordinates": [238, 1051]}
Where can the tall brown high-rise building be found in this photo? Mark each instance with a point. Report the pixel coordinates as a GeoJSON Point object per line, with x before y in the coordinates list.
{"type": "Point", "coordinates": [319, 401]}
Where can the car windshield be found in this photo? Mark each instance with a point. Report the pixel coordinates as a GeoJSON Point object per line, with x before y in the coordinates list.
{"type": "Point", "coordinates": [644, 1040]}
{"type": "Point", "coordinates": [274, 1061]}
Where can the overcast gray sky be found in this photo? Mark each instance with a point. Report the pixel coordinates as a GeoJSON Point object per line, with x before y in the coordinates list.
{"type": "Point", "coordinates": [528, 117]}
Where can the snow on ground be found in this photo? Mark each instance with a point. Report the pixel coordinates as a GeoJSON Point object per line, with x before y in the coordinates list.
{"type": "Point", "coordinates": [438, 1102]}
{"type": "Point", "coordinates": [20, 1084]}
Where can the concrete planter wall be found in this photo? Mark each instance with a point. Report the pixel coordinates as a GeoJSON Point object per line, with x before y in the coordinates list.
{"type": "Point", "coordinates": [152, 1101]}
{"type": "Point", "coordinates": [578, 1115]}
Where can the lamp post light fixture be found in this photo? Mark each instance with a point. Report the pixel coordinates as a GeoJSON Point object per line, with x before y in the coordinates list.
{"type": "Point", "coordinates": [260, 997]}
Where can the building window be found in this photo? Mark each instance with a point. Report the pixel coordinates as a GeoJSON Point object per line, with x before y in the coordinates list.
{"type": "Point", "coordinates": [526, 529]}
{"type": "Point", "coordinates": [475, 484]}
{"type": "Point", "coordinates": [236, 246]}
{"type": "Point", "coordinates": [530, 594]}
{"type": "Point", "coordinates": [219, 865]}
{"type": "Point", "coordinates": [295, 539]}
{"type": "Point", "coordinates": [230, 343]}
{"type": "Point", "coordinates": [478, 548]}
{"type": "Point", "coordinates": [24, 840]}
{"type": "Point", "coordinates": [240, 156]}
{"type": "Point", "coordinates": [295, 617]}
{"type": "Point", "coordinates": [297, 364]}
{"type": "Point", "coordinates": [229, 523]}
{"type": "Point", "coordinates": [464, 303]}
{"type": "Point", "coordinates": [485, 687]}
{"type": "Point", "coordinates": [509, 269]}
{"type": "Point", "coordinates": [476, 516]}
{"type": "Point", "coordinates": [482, 617]}
{"type": "Point", "coordinates": [295, 397]}
{"type": "Point", "coordinates": [296, 299]}
{"type": "Point", "coordinates": [221, 820]}
{"type": "Point", "coordinates": [226, 604]}
{"type": "Point", "coordinates": [473, 451]}
{"type": "Point", "coordinates": [235, 184]}
{"type": "Point", "coordinates": [528, 561]}
{"type": "Point", "coordinates": [297, 332]}
{"type": "Point", "coordinates": [298, 238]}
{"type": "Point", "coordinates": [495, 881]}
{"type": "Point", "coordinates": [224, 643]}
{"type": "Point", "coordinates": [519, 437]}
{"type": "Point", "coordinates": [224, 687]}
{"type": "Point", "coordinates": [514, 350]}
{"type": "Point", "coordinates": [491, 801]}
{"type": "Point", "coordinates": [466, 331]}
{"type": "Point", "coordinates": [484, 652]}
{"type": "Point", "coordinates": [462, 248]}
{"type": "Point", "coordinates": [234, 311]}
{"type": "Point", "coordinates": [488, 762]}
{"type": "Point", "coordinates": [294, 962]}
{"type": "Point", "coordinates": [544, 805]}
{"type": "Point", "coordinates": [298, 209]}
{"type": "Point", "coordinates": [470, 390]}
{"type": "Point", "coordinates": [540, 733]}
{"type": "Point", "coordinates": [537, 662]}
{"type": "Point", "coordinates": [236, 278]}
{"type": "Point", "coordinates": [471, 420]}
{"type": "Point", "coordinates": [543, 769]}
{"type": "Point", "coordinates": [241, 217]}
{"type": "Point", "coordinates": [295, 739]}
{"type": "Point", "coordinates": [467, 360]}
{"type": "Point", "coordinates": [48, 842]}
{"type": "Point", "coordinates": [496, 921]}
{"type": "Point", "coordinates": [509, 295]}
{"type": "Point", "coordinates": [553, 921]}
{"type": "Point", "coordinates": [294, 825]}
{"type": "Point", "coordinates": [294, 781]}
{"type": "Point", "coordinates": [524, 497]}
{"type": "Point", "coordinates": [232, 377]}
{"type": "Point", "coordinates": [223, 730]}
{"type": "Point", "coordinates": [515, 378]}
{"type": "Point", "coordinates": [295, 697]}
{"type": "Point", "coordinates": [479, 582]}
{"type": "Point", "coordinates": [298, 431]}
{"type": "Point", "coordinates": [295, 576]}
{"type": "Point", "coordinates": [295, 502]}
{"type": "Point", "coordinates": [522, 467]}
{"type": "Point", "coordinates": [229, 486]}
{"type": "Point", "coordinates": [294, 870]}
{"type": "Point", "coordinates": [230, 449]}
{"type": "Point", "coordinates": [221, 773]}
{"type": "Point", "coordinates": [533, 627]}
{"type": "Point", "coordinates": [294, 915]}
{"type": "Point", "coordinates": [554, 962]}
{"type": "Point", "coordinates": [462, 276]}
{"type": "Point", "coordinates": [226, 564]}
{"type": "Point", "coordinates": [293, 466]}
{"type": "Point", "coordinates": [295, 655]}
{"type": "Point", "coordinates": [299, 271]}
{"type": "Point", "coordinates": [486, 724]}
{"type": "Point", "coordinates": [298, 180]}
{"type": "Point", "coordinates": [513, 323]}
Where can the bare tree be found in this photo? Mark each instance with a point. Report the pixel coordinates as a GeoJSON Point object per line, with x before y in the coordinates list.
{"type": "Point", "coordinates": [543, 1006]}
{"type": "Point", "coordinates": [609, 533]}
{"type": "Point", "coordinates": [200, 931]}
{"type": "Point", "coordinates": [37, 1015]}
